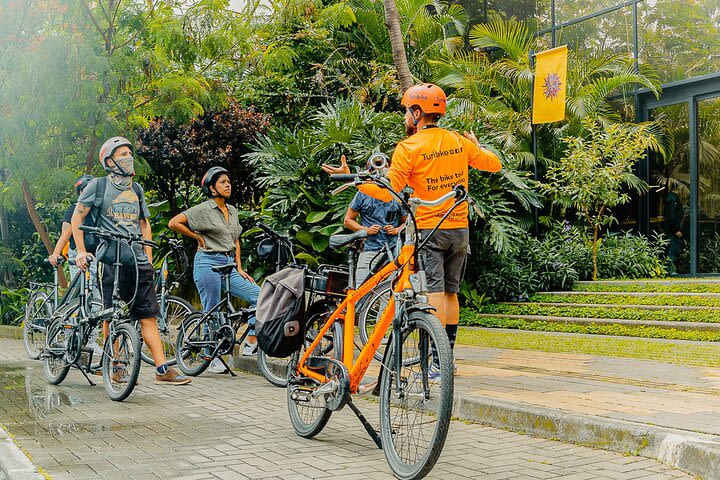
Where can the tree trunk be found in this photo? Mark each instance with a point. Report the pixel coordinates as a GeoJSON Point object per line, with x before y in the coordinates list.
{"type": "Point", "coordinates": [595, 251]}
{"type": "Point", "coordinates": [392, 21]}
{"type": "Point", "coordinates": [8, 277]}
{"type": "Point", "coordinates": [39, 227]}
{"type": "Point", "coordinates": [92, 155]}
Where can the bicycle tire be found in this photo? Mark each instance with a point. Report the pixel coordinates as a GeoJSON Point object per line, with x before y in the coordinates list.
{"type": "Point", "coordinates": [34, 337]}
{"type": "Point", "coordinates": [128, 356]}
{"type": "Point", "coordinates": [318, 415]}
{"type": "Point", "coordinates": [55, 366]}
{"type": "Point", "coordinates": [413, 461]}
{"type": "Point", "coordinates": [273, 369]}
{"type": "Point", "coordinates": [177, 310]}
{"type": "Point", "coordinates": [371, 306]}
{"type": "Point", "coordinates": [189, 359]}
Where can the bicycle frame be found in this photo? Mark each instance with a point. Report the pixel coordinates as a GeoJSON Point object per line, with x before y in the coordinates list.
{"type": "Point", "coordinates": [357, 368]}
{"type": "Point", "coordinates": [232, 314]}
{"type": "Point", "coordinates": [406, 263]}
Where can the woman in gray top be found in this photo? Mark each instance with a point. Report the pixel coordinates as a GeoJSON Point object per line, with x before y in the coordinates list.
{"type": "Point", "coordinates": [214, 224]}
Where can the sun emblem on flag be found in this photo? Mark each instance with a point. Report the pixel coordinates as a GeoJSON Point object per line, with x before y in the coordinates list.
{"type": "Point", "coordinates": [551, 86]}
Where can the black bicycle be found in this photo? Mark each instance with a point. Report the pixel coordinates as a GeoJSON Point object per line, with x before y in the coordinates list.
{"type": "Point", "coordinates": [205, 336]}
{"type": "Point", "coordinates": [41, 304]}
{"type": "Point", "coordinates": [122, 348]}
{"type": "Point", "coordinates": [69, 328]}
{"type": "Point", "coordinates": [173, 309]}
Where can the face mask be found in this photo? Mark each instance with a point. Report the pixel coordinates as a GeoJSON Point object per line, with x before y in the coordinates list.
{"type": "Point", "coordinates": [120, 180]}
{"type": "Point", "coordinates": [127, 164]}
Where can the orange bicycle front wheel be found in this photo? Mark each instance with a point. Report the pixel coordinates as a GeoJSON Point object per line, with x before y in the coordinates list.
{"type": "Point", "coordinates": [416, 401]}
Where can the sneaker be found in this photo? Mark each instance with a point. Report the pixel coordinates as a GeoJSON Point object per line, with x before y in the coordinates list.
{"type": "Point", "coordinates": [216, 366]}
{"type": "Point", "coordinates": [97, 351]}
{"type": "Point", "coordinates": [171, 377]}
{"type": "Point", "coordinates": [433, 373]}
{"type": "Point", "coordinates": [120, 375]}
{"type": "Point", "coordinates": [249, 348]}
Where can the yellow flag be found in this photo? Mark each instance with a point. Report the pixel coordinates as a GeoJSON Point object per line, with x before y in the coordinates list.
{"type": "Point", "coordinates": [550, 85]}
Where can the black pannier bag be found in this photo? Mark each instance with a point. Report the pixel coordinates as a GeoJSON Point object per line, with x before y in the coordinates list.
{"type": "Point", "coordinates": [280, 312]}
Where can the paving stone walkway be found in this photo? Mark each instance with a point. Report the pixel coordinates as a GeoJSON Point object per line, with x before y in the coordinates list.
{"type": "Point", "coordinates": [238, 428]}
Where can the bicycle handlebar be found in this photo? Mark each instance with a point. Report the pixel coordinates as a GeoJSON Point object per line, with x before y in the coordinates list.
{"type": "Point", "coordinates": [459, 192]}
{"type": "Point", "coordinates": [272, 233]}
{"type": "Point", "coordinates": [60, 261]}
{"type": "Point", "coordinates": [102, 233]}
{"type": "Point", "coordinates": [344, 177]}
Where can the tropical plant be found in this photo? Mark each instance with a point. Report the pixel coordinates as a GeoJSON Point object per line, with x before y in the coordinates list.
{"type": "Point", "coordinates": [179, 155]}
{"type": "Point", "coordinates": [297, 190]}
{"type": "Point", "coordinates": [592, 177]}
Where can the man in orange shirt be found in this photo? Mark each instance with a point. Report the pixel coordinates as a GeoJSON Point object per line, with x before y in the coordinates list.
{"type": "Point", "coordinates": [432, 161]}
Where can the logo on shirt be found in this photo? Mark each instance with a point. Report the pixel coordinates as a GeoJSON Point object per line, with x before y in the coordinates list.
{"type": "Point", "coordinates": [441, 153]}
{"type": "Point", "coordinates": [125, 209]}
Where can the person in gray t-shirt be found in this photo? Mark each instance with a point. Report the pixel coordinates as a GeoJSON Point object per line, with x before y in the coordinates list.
{"type": "Point", "coordinates": [123, 210]}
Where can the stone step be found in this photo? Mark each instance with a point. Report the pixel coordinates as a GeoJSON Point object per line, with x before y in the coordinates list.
{"type": "Point", "coordinates": [653, 281]}
{"type": "Point", "coordinates": [613, 305]}
{"type": "Point", "coordinates": [639, 294]}
{"type": "Point", "coordinates": [714, 327]}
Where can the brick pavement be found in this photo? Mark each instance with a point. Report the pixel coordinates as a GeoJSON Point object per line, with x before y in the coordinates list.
{"type": "Point", "coordinates": [238, 428]}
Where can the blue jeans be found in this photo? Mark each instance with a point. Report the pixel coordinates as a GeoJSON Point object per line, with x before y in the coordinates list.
{"type": "Point", "coordinates": [210, 284]}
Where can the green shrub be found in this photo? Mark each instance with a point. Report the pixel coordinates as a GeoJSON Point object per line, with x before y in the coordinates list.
{"type": "Point", "coordinates": [12, 305]}
{"type": "Point", "coordinates": [558, 261]}
{"type": "Point", "coordinates": [625, 255]}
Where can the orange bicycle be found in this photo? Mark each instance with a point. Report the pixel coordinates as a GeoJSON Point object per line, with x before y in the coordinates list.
{"type": "Point", "coordinates": [416, 372]}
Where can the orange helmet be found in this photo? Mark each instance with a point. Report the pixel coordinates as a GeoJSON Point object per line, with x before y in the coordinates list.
{"type": "Point", "coordinates": [427, 97]}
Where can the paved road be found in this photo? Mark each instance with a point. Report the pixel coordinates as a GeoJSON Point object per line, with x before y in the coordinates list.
{"type": "Point", "coordinates": [222, 427]}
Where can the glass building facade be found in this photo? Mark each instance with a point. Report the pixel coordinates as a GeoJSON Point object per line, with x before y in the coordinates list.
{"type": "Point", "coordinates": [680, 41]}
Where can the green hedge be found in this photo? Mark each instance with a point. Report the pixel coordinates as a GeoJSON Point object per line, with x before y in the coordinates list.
{"type": "Point", "coordinates": [696, 301]}
{"type": "Point", "coordinates": [650, 287]}
{"type": "Point", "coordinates": [710, 316]}
{"type": "Point", "coordinates": [471, 319]}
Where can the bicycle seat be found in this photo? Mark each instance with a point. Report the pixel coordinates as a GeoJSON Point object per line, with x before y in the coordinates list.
{"type": "Point", "coordinates": [338, 241]}
{"type": "Point", "coordinates": [223, 268]}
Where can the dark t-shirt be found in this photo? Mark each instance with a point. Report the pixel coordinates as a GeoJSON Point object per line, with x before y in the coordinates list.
{"type": "Point", "coordinates": [67, 218]}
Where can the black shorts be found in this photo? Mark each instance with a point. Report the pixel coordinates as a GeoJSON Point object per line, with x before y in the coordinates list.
{"type": "Point", "coordinates": [445, 259]}
{"type": "Point", "coordinates": [145, 304]}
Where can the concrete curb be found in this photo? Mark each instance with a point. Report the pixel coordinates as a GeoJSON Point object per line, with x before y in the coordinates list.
{"type": "Point", "coordinates": [690, 452]}
{"type": "Point", "coordinates": [10, 331]}
{"type": "Point", "coordinates": [14, 464]}
{"type": "Point", "coordinates": [693, 453]}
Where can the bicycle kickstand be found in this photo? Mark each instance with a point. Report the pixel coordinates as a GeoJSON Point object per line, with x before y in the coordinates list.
{"type": "Point", "coordinates": [82, 370]}
{"type": "Point", "coordinates": [227, 366]}
{"type": "Point", "coordinates": [369, 428]}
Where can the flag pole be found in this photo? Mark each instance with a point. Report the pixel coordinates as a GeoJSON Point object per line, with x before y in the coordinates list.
{"type": "Point", "coordinates": [533, 145]}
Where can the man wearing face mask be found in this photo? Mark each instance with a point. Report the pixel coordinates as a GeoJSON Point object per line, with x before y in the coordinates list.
{"type": "Point", "coordinates": [121, 207]}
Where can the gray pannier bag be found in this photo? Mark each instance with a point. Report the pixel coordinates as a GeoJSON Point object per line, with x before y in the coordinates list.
{"type": "Point", "coordinates": [280, 312]}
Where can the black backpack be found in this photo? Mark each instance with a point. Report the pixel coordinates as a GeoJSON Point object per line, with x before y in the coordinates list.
{"type": "Point", "coordinates": [280, 312]}
{"type": "Point", "coordinates": [91, 240]}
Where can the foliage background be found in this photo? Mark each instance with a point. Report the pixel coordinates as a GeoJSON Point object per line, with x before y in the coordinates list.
{"type": "Point", "coordinates": [274, 91]}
